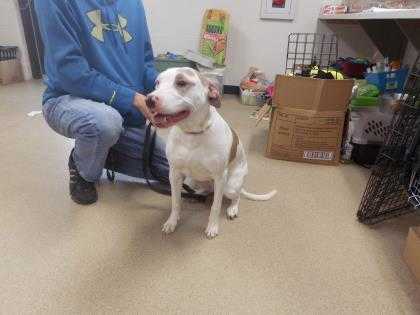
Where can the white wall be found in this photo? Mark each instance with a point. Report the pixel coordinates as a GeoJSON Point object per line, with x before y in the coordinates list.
{"type": "Point", "coordinates": [11, 32]}
{"type": "Point", "coordinates": [175, 26]}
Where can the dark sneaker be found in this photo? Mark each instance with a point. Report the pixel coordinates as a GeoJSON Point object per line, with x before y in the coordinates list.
{"type": "Point", "coordinates": [81, 191]}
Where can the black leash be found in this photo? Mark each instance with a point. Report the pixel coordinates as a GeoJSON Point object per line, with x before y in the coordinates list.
{"type": "Point", "coordinates": [148, 172]}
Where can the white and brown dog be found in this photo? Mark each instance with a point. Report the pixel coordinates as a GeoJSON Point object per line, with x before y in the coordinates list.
{"type": "Point", "coordinates": [201, 145]}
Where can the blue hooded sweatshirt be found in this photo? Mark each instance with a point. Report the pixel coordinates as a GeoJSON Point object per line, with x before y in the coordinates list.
{"type": "Point", "coordinates": [98, 50]}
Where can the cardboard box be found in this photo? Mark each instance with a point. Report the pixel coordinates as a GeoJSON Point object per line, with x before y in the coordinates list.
{"type": "Point", "coordinates": [412, 251]}
{"type": "Point", "coordinates": [308, 119]}
{"type": "Point", "coordinates": [10, 71]}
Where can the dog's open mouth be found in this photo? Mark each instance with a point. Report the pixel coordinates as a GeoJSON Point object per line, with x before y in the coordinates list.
{"type": "Point", "coordinates": [168, 120]}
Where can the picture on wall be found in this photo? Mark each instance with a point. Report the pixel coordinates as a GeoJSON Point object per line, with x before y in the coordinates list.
{"type": "Point", "coordinates": [279, 3]}
{"type": "Point", "coordinates": [278, 9]}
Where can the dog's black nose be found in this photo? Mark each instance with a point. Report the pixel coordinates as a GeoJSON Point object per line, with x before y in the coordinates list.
{"type": "Point", "coordinates": [151, 101]}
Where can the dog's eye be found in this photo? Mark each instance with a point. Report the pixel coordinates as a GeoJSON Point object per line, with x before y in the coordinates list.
{"type": "Point", "coordinates": [181, 83]}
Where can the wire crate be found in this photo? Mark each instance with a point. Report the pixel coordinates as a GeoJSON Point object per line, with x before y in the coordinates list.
{"type": "Point", "coordinates": [305, 49]}
{"type": "Point", "coordinates": [386, 195]}
{"type": "Point", "coordinates": [414, 193]}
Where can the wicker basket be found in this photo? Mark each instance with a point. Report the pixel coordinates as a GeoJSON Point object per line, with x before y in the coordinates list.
{"type": "Point", "coordinates": [251, 98]}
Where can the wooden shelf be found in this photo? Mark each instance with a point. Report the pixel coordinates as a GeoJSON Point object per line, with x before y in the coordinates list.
{"type": "Point", "coordinates": [406, 14]}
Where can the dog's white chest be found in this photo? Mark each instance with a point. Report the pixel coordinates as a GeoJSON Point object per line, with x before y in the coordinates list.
{"type": "Point", "coordinates": [192, 162]}
{"type": "Point", "coordinates": [196, 156]}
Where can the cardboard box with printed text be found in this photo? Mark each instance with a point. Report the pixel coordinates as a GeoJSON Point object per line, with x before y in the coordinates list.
{"type": "Point", "coordinates": [308, 119]}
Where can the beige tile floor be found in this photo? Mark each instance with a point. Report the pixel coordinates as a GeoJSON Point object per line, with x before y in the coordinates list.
{"type": "Point", "coordinates": [301, 253]}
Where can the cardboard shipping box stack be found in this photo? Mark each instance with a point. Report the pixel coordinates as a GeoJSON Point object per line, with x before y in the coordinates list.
{"type": "Point", "coordinates": [412, 251]}
{"type": "Point", "coordinates": [308, 119]}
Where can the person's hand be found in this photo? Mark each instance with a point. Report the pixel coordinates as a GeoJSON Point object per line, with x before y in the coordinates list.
{"type": "Point", "coordinates": [140, 104]}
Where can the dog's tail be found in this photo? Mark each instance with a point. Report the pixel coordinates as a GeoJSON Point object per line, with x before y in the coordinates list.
{"type": "Point", "coordinates": [255, 197]}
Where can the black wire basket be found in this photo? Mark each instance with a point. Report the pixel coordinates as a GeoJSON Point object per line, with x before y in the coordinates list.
{"type": "Point", "coordinates": [306, 49]}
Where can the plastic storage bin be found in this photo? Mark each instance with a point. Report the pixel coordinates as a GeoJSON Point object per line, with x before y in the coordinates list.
{"type": "Point", "coordinates": [368, 128]}
{"type": "Point", "coordinates": [364, 101]}
{"type": "Point", "coordinates": [369, 125]}
{"type": "Point", "coordinates": [165, 63]}
{"type": "Point", "coordinates": [388, 82]}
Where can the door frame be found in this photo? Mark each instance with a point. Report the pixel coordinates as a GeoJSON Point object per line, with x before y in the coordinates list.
{"type": "Point", "coordinates": [32, 37]}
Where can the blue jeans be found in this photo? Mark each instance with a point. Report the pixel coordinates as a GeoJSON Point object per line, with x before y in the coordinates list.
{"type": "Point", "coordinates": [97, 128]}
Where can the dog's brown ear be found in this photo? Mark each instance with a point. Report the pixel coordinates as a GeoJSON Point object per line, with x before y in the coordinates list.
{"type": "Point", "coordinates": [215, 99]}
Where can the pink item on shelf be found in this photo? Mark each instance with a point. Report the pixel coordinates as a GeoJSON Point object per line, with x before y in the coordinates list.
{"type": "Point", "coordinates": [334, 9]}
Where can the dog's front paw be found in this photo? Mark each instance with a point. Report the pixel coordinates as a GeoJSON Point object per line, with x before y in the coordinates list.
{"type": "Point", "coordinates": [169, 226]}
{"type": "Point", "coordinates": [212, 230]}
{"type": "Point", "coordinates": [232, 213]}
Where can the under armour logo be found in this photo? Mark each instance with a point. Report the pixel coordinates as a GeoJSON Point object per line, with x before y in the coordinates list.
{"type": "Point", "coordinates": [98, 31]}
